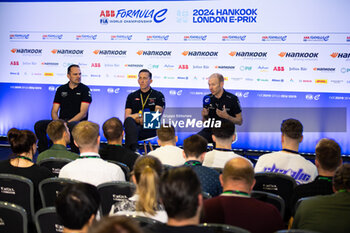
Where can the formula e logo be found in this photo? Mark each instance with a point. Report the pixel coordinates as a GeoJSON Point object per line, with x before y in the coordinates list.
{"type": "Point", "coordinates": [139, 16]}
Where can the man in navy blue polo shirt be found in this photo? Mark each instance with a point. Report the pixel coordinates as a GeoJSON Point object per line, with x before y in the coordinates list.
{"type": "Point", "coordinates": [71, 104]}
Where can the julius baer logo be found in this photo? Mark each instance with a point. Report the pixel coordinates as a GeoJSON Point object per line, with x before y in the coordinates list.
{"type": "Point", "coordinates": [132, 16]}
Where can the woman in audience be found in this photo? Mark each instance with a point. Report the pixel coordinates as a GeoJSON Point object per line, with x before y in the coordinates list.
{"type": "Point", "coordinates": [23, 145]}
{"type": "Point", "coordinates": [145, 202]}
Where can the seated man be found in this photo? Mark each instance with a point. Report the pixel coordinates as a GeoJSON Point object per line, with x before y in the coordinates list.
{"type": "Point", "coordinates": [168, 153]}
{"type": "Point", "coordinates": [71, 104]}
{"type": "Point", "coordinates": [89, 167]}
{"type": "Point", "coordinates": [136, 103]}
{"type": "Point", "coordinates": [328, 213]}
{"type": "Point", "coordinates": [235, 206]}
{"type": "Point", "coordinates": [60, 136]}
{"type": "Point", "coordinates": [195, 148]}
{"type": "Point", "coordinates": [328, 159]}
{"type": "Point", "coordinates": [180, 192]}
{"type": "Point", "coordinates": [223, 137]}
{"type": "Point", "coordinates": [289, 161]}
{"type": "Point", "coordinates": [76, 207]}
{"type": "Point", "coordinates": [113, 131]}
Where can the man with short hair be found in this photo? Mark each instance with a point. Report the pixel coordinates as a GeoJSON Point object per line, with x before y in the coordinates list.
{"type": "Point", "coordinates": [59, 134]}
{"type": "Point", "coordinates": [72, 101]}
{"type": "Point", "coordinates": [219, 105]}
{"type": "Point", "coordinates": [144, 99]}
{"type": "Point", "coordinates": [195, 148]}
{"type": "Point", "coordinates": [113, 131]}
{"type": "Point", "coordinates": [223, 137]}
{"type": "Point", "coordinates": [328, 159]}
{"type": "Point", "coordinates": [289, 161]}
{"type": "Point", "coordinates": [235, 206]}
{"type": "Point", "coordinates": [89, 167]}
{"type": "Point", "coordinates": [77, 206]}
{"type": "Point", "coordinates": [180, 192]}
{"type": "Point", "coordinates": [168, 153]}
{"type": "Point", "coordinates": [327, 213]}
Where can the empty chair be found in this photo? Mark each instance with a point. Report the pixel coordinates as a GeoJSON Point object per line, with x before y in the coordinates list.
{"type": "Point", "coordinates": [273, 199]}
{"type": "Point", "coordinates": [112, 192]}
{"type": "Point", "coordinates": [224, 228]}
{"type": "Point", "coordinates": [46, 221]}
{"type": "Point", "coordinates": [124, 167]}
{"type": "Point", "coordinates": [13, 218]}
{"type": "Point", "coordinates": [49, 189]}
{"type": "Point", "coordinates": [54, 164]}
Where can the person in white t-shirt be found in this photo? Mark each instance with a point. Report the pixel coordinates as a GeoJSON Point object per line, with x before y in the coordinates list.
{"type": "Point", "coordinates": [289, 161]}
{"type": "Point", "coordinates": [168, 153]}
{"type": "Point", "coordinates": [223, 137]}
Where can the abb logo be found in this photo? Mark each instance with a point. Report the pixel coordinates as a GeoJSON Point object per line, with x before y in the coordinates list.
{"type": "Point", "coordinates": [95, 65]}
{"type": "Point", "coordinates": [183, 67]}
{"type": "Point", "coordinates": [278, 68]}
{"type": "Point", "coordinates": [107, 13]}
{"type": "Point", "coordinates": [14, 63]}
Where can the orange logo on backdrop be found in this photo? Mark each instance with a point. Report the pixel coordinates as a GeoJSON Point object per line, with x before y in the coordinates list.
{"type": "Point", "coordinates": [282, 54]}
{"type": "Point", "coordinates": [96, 52]}
{"type": "Point", "coordinates": [232, 54]}
{"type": "Point", "coordinates": [334, 55]}
{"type": "Point", "coordinates": [54, 51]}
{"type": "Point", "coordinates": [140, 52]}
{"type": "Point", "coordinates": [13, 50]}
{"type": "Point", "coordinates": [185, 53]}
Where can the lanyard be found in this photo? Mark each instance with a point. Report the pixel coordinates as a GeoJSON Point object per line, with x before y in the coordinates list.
{"type": "Point", "coordinates": [193, 163]}
{"type": "Point", "coordinates": [325, 178]}
{"type": "Point", "coordinates": [291, 151]}
{"type": "Point", "coordinates": [89, 157]}
{"type": "Point", "coordinates": [23, 157]}
{"type": "Point", "coordinates": [144, 103]}
{"type": "Point", "coordinates": [236, 192]}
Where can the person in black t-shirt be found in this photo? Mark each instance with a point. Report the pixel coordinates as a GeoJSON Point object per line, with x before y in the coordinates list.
{"type": "Point", "coordinates": [71, 104]}
{"type": "Point", "coordinates": [219, 105]}
{"type": "Point", "coordinates": [136, 103]}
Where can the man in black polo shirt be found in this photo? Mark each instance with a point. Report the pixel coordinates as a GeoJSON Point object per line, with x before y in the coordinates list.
{"type": "Point", "coordinates": [136, 103]}
{"type": "Point", "coordinates": [71, 104]}
{"type": "Point", "coordinates": [219, 105]}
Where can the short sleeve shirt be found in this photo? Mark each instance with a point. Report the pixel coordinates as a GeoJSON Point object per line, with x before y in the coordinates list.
{"type": "Point", "coordinates": [230, 101]}
{"type": "Point", "coordinates": [71, 99]}
{"type": "Point", "coordinates": [134, 100]}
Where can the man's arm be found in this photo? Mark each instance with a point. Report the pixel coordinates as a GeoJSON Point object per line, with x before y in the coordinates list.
{"type": "Point", "coordinates": [84, 107]}
{"type": "Point", "coordinates": [54, 111]}
{"type": "Point", "coordinates": [158, 108]}
{"type": "Point", "coordinates": [134, 116]}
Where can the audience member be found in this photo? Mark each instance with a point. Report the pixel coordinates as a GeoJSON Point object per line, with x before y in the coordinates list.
{"type": "Point", "coordinates": [328, 159]}
{"type": "Point", "coordinates": [223, 137]}
{"type": "Point", "coordinates": [235, 206]}
{"type": "Point", "coordinates": [60, 136]}
{"type": "Point", "coordinates": [23, 146]}
{"type": "Point", "coordinates": [195, 148]}
{"type": "Point", "coordinates": [180, 192]}
{"type": "Point", "coordinates": [168, 153]}
{"type": "Point", "coordinates": [288, 161]}
{"type": "Point", "coordinates": [89, 167]}
{"type": "Point", "coordinates": [328, 213]}
{"type": "Point", "coordinates": [113, 131]}
{"type": "Point", "coordinates": [145, 202]}
{"type": "Point", "coordinates": [76, 207]}
{"type": "Point", "coordinates": [115, 224]}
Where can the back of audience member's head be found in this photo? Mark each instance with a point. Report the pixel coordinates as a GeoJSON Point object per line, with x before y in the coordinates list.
{"type": "Point", "coordinates": [341, 178]}
{"type": "Point", "coordinates": [115, 224]}
{"type": "Point", "coordinates": [195, 145]}
{"type": "Point", "coordinates": [113, 129]}
{"type": "Point", "coordinates": [179, 192]}
{"type": "Point", "coordinates": [85, 134]}
{"type": "Point", "coordinates": [292, 128]}
{"type": "Point", "coordinates": [56, 129]}
{"type": "Point", "coordinates": [22, 141]}
{"type": "Point", "coordinates": [76, 204]}
{"type": "Point", "coordinates": [238, 169]}
{"type": "Point", "coordinates": [225, 131]}
{"type": "Point", "coordinates": [328, 154]}
{"type": "Point", "coordinates": [166, 133]}
{"type": "Point", "coordinates": [147, 170]}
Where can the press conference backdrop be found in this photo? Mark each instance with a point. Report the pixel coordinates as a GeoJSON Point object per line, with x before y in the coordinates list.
{"type": "Point", "coordinates": [281, 58]}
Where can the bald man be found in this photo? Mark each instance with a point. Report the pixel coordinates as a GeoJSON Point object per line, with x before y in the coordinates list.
{"type": "Point", "coordinates": [235, 206]}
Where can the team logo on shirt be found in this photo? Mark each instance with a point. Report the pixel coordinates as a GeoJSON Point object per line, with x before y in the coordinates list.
{"type": "Point", "coordinates": [64, 94]}
{"type": "Point", "coordinates": [299, 175]}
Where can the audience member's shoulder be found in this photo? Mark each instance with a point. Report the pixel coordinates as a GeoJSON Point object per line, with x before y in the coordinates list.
{"type": "Point", "coordinates": [45, 172]}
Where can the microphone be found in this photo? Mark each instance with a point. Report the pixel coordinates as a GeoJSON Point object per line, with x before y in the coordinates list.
{"type": "Point", "coordinates": [206, 101]}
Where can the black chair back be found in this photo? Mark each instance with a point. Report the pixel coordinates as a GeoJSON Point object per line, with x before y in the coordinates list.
{"type": "Point", "coordinates": [143, 221]}
{"type": "Point", "coordinates": [124, 167]}
{"type": "Point", "coordinates": [54, 164]}
{"type": "Point", "coordinates": [112, 192]}
{"type": "Point", "coordinates": [50, 187]}
{"type": "Point", "coordinates": [18, 190]}
{"type": "Point", "coordinates": [224, 228]}
{"type": "Point", "coordinates": [13, 218]}
{"type": "Point", "coordinates": [273, 199]}
{"type": "Point", "coordinates": [46, 221]}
